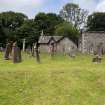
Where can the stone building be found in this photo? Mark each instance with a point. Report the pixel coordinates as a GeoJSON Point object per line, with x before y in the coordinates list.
{"type": "Point", "coordinates": [92, 42]}
{"type": "Point", "coordinates": [60, 44]}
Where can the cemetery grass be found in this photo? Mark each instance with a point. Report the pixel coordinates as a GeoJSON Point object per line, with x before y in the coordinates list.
{"type": "Point", "coordinates": [58, 81]}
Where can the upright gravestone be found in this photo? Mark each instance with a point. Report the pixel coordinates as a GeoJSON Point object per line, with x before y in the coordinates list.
{"type": "Point", "coordinates": [19, 55]}
{"type": "Point", "coordinates": [37, 53]}
{"type": "Point", "coordinates": [33, 50]}
{"type": "Point", "coordinates": [8, 51]}
{"type": "Point", "coordinates": [28, 50]}
{"type": "Point", "coordinates": [16, 53]}
{"type": "Point", "coordinates": [52, 49]}
{"type": "Point", "coordinates": [72, 53]}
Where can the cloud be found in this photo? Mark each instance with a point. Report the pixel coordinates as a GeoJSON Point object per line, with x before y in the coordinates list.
{"type": "Point", "coordinates": [90, 5]}
{"type": "Point", "coordinates": [28, 7]}
{"type": "Point", "coordinates": [32, 7]}
{"type": "Point", "coordinates": [101, 6]}
{"type": "Point", "coordinates": [20, 3]}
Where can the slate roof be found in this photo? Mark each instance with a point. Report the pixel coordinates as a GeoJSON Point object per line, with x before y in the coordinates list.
{"type": "Point", "coordinates": [46, 39]}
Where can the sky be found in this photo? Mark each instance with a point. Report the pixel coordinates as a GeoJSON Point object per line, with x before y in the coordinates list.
{"type": "Point", "coordinates": [32, 7]}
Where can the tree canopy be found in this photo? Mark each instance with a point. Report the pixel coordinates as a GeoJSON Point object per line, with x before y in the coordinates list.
{"type": "Point", "coordinates": [17, 26]}
{"type": "Point", "coordinates": [73, 13]}
{"type": "Point", "coordinates": [96, 22]}
{"type": "Point", "coordinates": [68, 30]}
{"type": "Point", "coordinates": [29, 31]}
{"type": "Point", "coordinates": [47, 22]}
{"type": "Point", "coordinates": [9, 22]}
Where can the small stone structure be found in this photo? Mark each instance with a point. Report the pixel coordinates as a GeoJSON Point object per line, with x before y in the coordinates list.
{"type": "Point", "coordinates": [57, 44]}
{"type": "Point", "coordinates": [92, 43]}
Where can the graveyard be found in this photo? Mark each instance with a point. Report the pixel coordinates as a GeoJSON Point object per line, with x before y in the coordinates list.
{"type": "Point", "coordinates": [52, 52]}
{"type": "Point", "coordinates": [60, 80]}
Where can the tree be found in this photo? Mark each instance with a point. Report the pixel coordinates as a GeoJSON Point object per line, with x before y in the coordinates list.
{"type": "Point", "coordinates": [28, 31]}
{"type": "Point", "coordinates": [47, 22]}
{"type": "Point", "coordinates": [9, 22]}
{"type": "Point", "coordinates": [68, 30]}
{"type": "Point", "coordinates": [73, 13]}
{"type": "Point", "coordinates": [96, 22]}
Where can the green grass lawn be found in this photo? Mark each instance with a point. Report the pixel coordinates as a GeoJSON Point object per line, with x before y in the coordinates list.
{"type": "Point", "coordinates": [58, 81]}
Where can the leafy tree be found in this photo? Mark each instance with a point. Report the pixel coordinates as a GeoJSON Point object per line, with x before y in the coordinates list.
{"type": "Point", "coordinates": [96, 22]}
{"type": "Point", "coordinates": [28, 31]}
{"type": "Point", "coordinates": [68, 30]}
{"type": "Point", "coordinates": [9, 22]}
{"type": "Point", "coordinates": [47, 22]}
{"type": "Point", "coordinates": [73, 13]}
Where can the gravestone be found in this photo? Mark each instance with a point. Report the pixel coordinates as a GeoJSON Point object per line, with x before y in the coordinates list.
{"type": "Point", "coordinates": [33, 50]}
{"type": "Point", "coordinates": [52, 49]}
{"type": "Point", "coordinates": [1, 49]}
{"type": "Point", "coordinates": [16, 53]}
{"type": "Point", "coordinates": [72, 52]}
{"type": "Point", "coordinates": [100, 49]}
{"type": "Point", "coordinates": [28, 50]}
{"type": "Point", "coordinates": [98, 53]}
{"type": "Point", "coordinates": [8, 51]}
{"type": "Point", "coordinates": [97, 59]}
{"type": "Point", "coordinates": [19, 55]}
{"type": "Point", "coordinates": [37, 53]}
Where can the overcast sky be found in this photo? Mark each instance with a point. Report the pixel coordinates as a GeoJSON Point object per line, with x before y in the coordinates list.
{"type": "Point", "coordinates": [32, 7]}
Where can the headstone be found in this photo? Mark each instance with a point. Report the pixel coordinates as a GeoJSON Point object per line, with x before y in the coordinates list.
{"type": "Point", "coordinates": [37, 53]}
{"type": "Point", "coordinates": [72, 52]}
{"type": "Point", "coordinates": [16, 53]}
{"type": "Point", "coordinates": [100, 49]}
{"type": "Point", "coordinates": [19, 55]}
{"type": "Point", "coordinates": [1, 49]}
{"type": "Point", "coordinates": [8, 51]}
{"type": "Point", "coordinates": [52, 49]}
{"type": "Point", "coordinates": [33, 49]}
{"type": "Point", "coordinates": [97, 59]}
{"type": "Point", "coordinates": [28, 50]}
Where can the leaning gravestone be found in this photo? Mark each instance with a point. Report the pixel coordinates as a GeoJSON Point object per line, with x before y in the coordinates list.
{"type": "Point", "coordinates": [8, 51]}
{"type": "Point", "coordinates": [16, 53]}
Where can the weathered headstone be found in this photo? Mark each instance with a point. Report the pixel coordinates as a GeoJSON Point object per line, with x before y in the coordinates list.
{"type": "Point", "coordinates": [97, 59]}
{"type": "Point", "coordinates": [8, 51]}
{"type": "Point", "coordinates": [16, 53]}
{"type": "Point", "coordinates": [19, 55]}
{"type": "Point", "coordinates": [99, 49]}
{"type": "Point", "coordinates": [72, 52]}
{"type": "Point", "coordinates": [28, 50]}
{"type": "Point", "coordinates": [33, 49]}
{"type": "Point", "coordinates": [52, 49]}
{"type": "Point", "coordinates": [1, 49]}
{"type": "Point", "coordinates": [37, 53]}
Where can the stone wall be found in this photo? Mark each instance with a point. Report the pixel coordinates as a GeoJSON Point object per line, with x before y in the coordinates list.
{"type": "Point", "coordinates": [90, 41]}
